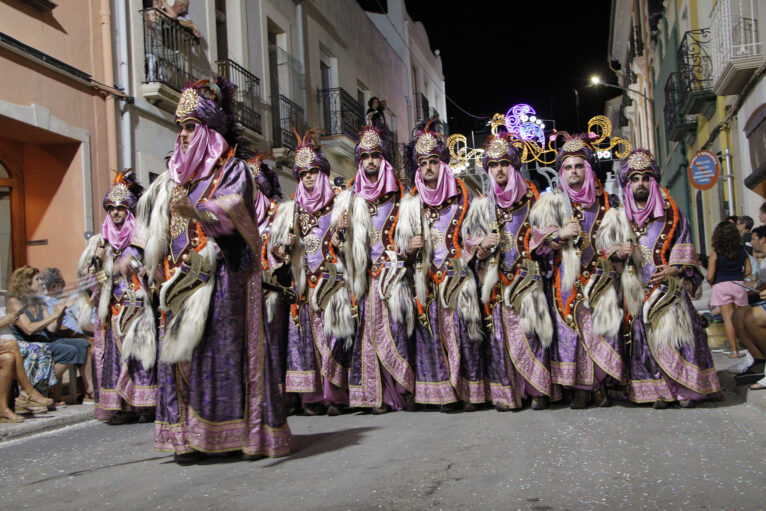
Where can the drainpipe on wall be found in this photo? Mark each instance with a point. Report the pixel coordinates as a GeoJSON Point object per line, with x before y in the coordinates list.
{"type": "Point", "coordinates": [111, 123]}
{"type": "Point", "coordinates": [123, 75]}
{"type": "Point", "coordinates": [729, 180]}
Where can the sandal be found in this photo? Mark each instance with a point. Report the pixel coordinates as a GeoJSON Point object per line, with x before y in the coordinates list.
{"type": "Point", "coordinates": [25, 403]}
{"type": "Point", "coordinates": [16, 418]}
{"type": "Point", "coordinates": [757, 386]}
{"type": "Point", "coordinates": [88, 398]}
{"type": "Point", "coordinates": [43, 401]}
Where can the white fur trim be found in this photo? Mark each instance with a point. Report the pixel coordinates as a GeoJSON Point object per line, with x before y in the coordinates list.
{"type": "Point", "coordinates": [673, 327]}
{"type": "Point", "coordinates": [184, 330]}
{"type": "Point", "coordinates": [140, 341]}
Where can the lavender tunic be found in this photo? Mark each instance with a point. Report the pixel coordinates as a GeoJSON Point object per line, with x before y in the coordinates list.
{"type": "Point", "coordinates": [380, 362]}
{"type": "Point", "coordinates": [667, 373]}
{"type": "Point", "coordinates": [119, 385]}
{"type": "Point", "coordinates": [227, 397]}
{"type": "Point", "coordinates": [317, 365]}
{"type": "Point", "coordinates": [580, 359]}
{"type": "Point", "coordinates": [449, 366]}
{"type": "Point", "coordinates": [518, 365]}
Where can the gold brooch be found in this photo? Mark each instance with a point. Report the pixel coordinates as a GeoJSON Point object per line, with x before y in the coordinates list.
{"type": "Point", "coordinates": [118, 193]}
{"type": "Point", "coordinates": [369, 140]}
{"type": "Point", "coordinates": [497, 148]}
{"type": "Point", "coordinates": [425, 144]}
{"type": "Point", "coordinates": [188, 103]}
{"type": "Point", "coordinates": [304, 157]}
{"type": "Point", "coordinates": [639, 161]}
{"type": "Point", "coordinates": [572, 145]}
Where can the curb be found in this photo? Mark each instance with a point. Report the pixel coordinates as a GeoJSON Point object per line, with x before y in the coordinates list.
{"type": "Point", "coordinates": [740, 393]}
{"type": "Point", "coordinates": [38, 423]}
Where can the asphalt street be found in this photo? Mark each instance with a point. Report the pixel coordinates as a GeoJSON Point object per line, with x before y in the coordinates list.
{"type": "Point", "coordinates": [710, 457]}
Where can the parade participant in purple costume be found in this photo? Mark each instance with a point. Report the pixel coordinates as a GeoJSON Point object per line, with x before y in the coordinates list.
{"type": "Point", "coordinates": [268, 195]}
{"type": "Point", "coordinates": [668, 355]}
{"type": "Point", "coordinates": [512, 292]}
{"type": "Point", "coordinates": [306, 235]}
{"type": "Point", "coordinates": [448, 339]}
{"type": "Point", "coordinates": [381, 376]}
{"type": "Point", "coordinates": [125, 389]}
{"type": "Point", "coordinates": [217, 390]}
{"type": "Point", "coordinates": [572, 227]}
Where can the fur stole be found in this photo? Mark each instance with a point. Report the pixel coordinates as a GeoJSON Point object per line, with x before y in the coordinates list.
{"type": "Point", "coordinates": [667, 318]}
{"type": "Point", "coordinates": [85, 306]}
{"type": "Point", "coordinates": [153, 222]}
{"type": "Point", "coordinates": [184, 330]}
{"type": "Point", "coordinates": [393, 286]}
{"type": "Point", "coordinates": [413, 223]}
{"type": "Point", "coordinates": [551, 209]}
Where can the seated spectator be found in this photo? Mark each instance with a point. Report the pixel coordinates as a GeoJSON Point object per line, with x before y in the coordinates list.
{"type": "Point", "coordinates": [762, 214]}
{"type": "Point", "coordinates": [758, 258]}
{"type": "Point", "coordinates": [750, 323]}
{"type": "Point", "coordinates": [37, 325]}
{"type": "Point", "coordinates": [744, 226]}
{"type": "Point", "coordinates": [12, 368]}
{"type": "Point", "coordinates": [38, 361]}
{"type": "Point", "coordinates": [53, 285]}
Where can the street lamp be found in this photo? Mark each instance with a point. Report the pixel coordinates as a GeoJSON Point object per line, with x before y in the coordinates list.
{"type": "Point", "coordinates": [595, 81]}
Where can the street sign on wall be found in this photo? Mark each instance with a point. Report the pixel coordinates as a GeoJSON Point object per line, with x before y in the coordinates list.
{"type": "Point", "coordinates": [703, 170]}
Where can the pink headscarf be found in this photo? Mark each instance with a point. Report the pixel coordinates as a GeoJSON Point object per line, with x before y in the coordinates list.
{"type": "Point", "coordinates": [446, 186]}
{"type": "Point", "coordinates": [655, 205]}
{"type": "Point", "coordinates": [319, 197]}
{"type": "Point", "coordinates": [261, 206]}
{"type": "Point", "coordinates": [385, 183]}
{"type": "Point", "coordinates": [207, 145]}
{"type": "Point", "coordinates": [118, 237]}
{"type": "Point", "coordinates": [515, 189]}
{"type": "Point", "coordinates": [587, 194]}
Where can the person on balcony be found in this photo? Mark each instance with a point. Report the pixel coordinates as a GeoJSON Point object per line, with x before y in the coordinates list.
{"type": "Point", "coordinates": [200, 243]}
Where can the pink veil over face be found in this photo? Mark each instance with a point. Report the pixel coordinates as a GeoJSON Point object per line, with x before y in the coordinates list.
{"type": "Point", "coordinates": [385, 183]}
{"type": "Point", "coordinates": [118, 237]}
{"type": "Point", "coordinates": [587, 194]}
{"type": "Point", "coordinates": [446, 186]}
{"type": "Point", "coordinates": [319, 197]}
{"type": "Point", "coordinates": [655, 204]}
{"type": "Point", "coordinates": [199, 159]}
{"type": "Point", "coordinates": [514, 189]}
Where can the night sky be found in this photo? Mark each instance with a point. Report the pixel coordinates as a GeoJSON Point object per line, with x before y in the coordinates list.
{"type": "Point", "coordinates": [500, 53]}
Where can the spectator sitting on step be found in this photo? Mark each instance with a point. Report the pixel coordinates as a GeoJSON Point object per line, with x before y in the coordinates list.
{"type": "Point", "coordinates": [12, 368]}
{"type": "Point", "coordinates": [53, 284]}
{"type": "Point", "coordinates": [37, 325]}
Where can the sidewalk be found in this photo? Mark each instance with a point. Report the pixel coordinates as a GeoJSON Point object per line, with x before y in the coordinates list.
{"type": "Point", "coordinates": [39, 422]}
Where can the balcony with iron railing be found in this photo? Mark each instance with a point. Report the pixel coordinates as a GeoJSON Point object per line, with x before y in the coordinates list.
{"type": "Point", "coordinates": [286, 115]}
{"type": "Point", "coordinates": [170, 53]}
{"type": "Point", "coordinates": [679, 125]}
{"type": "Point", "coordinates": [695, 68]}
{"type": "Point", "coordinates": [438, 125]}
{"type": "Point", "coordinates": [342, 118]}
{"type": "Point", "coordinates": [422, 108]}
{"type": "Point", "coordinates": [736, 50]}
{"type": "Point", "coordinates": [249, 106]}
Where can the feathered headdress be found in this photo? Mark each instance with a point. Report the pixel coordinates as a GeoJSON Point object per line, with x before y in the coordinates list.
{"type": "Point", "coordinates": [372, 139]}
{"type": "Point", "coordinates": [424, 144]}
{"type": "Point", "coordinates": [500, 147]}
{"type": "Point", "coordinates": [575, 145]}
{"type": "Point", "coordinates": [309, 154]}
{"type": "Point", "coordinates": [125, 191]}
{"type": "Point", "coordinates": [639, 161]}
{"type": "Point", "coordinates": [264, 177]}
{"type": "Point", "coordinates": [211, 102]}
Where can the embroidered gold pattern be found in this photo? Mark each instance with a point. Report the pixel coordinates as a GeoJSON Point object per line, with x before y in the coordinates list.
{"type": "Point", "coordinates": [639, 161]}
{"type": "Point", "coordinates": [178, 223]}
{"type": "Point", "coordinates": [572, 145]}
{"type": "Point", "coordinates": [188, 103]}
{"type": "Point", "coordinates": [311, 242]}
{"type": "Point", "coordinates": [437, 237]}
{"type": "Point", "coordinates": [497, 148]}
{"type": "Point", "coordinates": [304, 157]}
{"type": "Point", "coordinates": [118, 193]}
{"type": "Point", "coordinates": [425, 144]}
{"type": "Point", "coordinates": [370, 140]}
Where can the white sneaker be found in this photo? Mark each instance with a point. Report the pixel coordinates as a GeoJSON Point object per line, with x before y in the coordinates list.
{"type": "Point", "coordinates": [742, 365]}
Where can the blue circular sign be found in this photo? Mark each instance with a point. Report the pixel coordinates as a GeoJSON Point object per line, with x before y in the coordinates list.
{"type": "Point", "coordinates": [703, 170]}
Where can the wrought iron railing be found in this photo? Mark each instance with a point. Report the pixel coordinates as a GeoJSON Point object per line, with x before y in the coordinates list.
{"type": "Point", "coordinates": [694, 62]}
{"type": "Point", "coordinates": [341, 113]}
{"type": "Point", "coordinates": [249, 106]}
{"type": "Point", "coordinates": [672, 109]}
{"type": "Point", "coordinates": [734, 27]}
{"type": "Point", "coordinates": [438, 125]}
{"type": "Point", "coordinates": [287, 115]}
{"type": "Point", "coordinates": [169, 50]}
{"type": "Point", "coordinates": [422, 109]}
